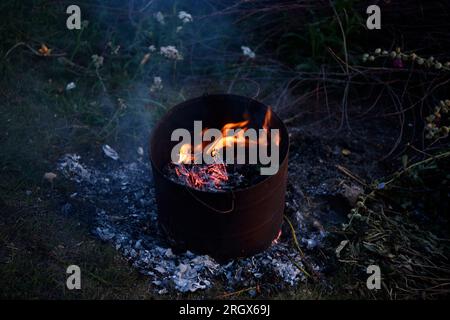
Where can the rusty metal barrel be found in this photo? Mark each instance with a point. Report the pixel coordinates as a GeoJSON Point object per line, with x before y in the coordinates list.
{"type": "Point", "coordinates": [228, 224]}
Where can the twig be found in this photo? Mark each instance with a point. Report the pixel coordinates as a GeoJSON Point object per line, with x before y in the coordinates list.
{"type": "Point", "coordinates": [226, 295]}
{"type": "Point", "coordinates": [294, 236]}
{"type": "Point", "coordinates": [298, 247]}
{"type": "Point", "coordinates": [351, 175]}
{"type": "Point", "coordinates": [398, 174]}
{"type": "Point", "coordinates": [146, 6]}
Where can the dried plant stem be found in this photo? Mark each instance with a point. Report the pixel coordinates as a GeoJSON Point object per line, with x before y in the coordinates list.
{"type": "Point", "coordinates": [437, 157]}
{"type": "Point", "coordinates": [294, 236]}
{"type": "Point", "coordinates": [34, 51]}
{"type": "Point", "coordinates": [351, 175]}
{"type": "Point", "coordinates": [226, 295]}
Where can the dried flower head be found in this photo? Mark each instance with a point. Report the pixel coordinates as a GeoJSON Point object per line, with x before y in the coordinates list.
{"type": "Point", "coordinates": [398, 56]}
{"type": "Point", "coordinates": [170, 52]}
{"type": "Point", "coordinates": [97, 60]}
{"type": "Point", "coordinates": [156, 85]}
{"type": "Point", "coordinates": [433, 126]}
{"type": "Point", "coordinates": [185, 17]}
{"type": "Point", "coordinates": [248, 52]}
{"type": "Point", "coordinates": [160, 18]}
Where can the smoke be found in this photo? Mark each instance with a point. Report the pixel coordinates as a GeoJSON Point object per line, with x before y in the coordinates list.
{"type": "Point", "coordinates": [159, 53]}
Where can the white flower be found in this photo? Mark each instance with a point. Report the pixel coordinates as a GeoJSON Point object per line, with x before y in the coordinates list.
{"type": "Point", "coordinates": [152, 48]}
{"type": "Point", "coordinates": [157, 81]}
{"type": "Point", "coordinates": [185, 17]}
{"type": "Point", "coordinates": [97, 60]}
{"type": "Point", "coordinates": [157, 84]}
{"type": "Point", "coordinates": [160, 17]}
{"type": "Point", "coordinates": [171, 52]}
{"type": "Point", "coordinates": [71, 86]}
{"type": "Point", "coordinates": [248, 52]}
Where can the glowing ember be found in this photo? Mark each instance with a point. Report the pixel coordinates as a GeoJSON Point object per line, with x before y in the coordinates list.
{"type": "Point", "coordinates": [215, 176]}
{"type": "Point", "coordinates": [277, 238]}
{"type": "Point", "coordinates": [196, 176]}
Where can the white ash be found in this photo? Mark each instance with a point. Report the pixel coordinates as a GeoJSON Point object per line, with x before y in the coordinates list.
{"type": "Point", "coordinates": [110, 152]}
{"type": "Point", "coordinates": [121, 196]}
{"type": "Point", "coordinates": [71, 168]}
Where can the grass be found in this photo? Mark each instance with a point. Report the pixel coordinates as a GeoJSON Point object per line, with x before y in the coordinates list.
{"type": "Point", "coordinates": [40, 120]}
{"type": "Point", "coordinates": [38, 246]}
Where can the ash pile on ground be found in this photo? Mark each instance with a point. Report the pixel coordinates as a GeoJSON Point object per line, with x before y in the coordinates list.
{"type": "Point", "coordinates": [121, 197]}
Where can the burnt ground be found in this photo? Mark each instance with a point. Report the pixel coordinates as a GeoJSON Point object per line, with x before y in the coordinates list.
{"type": "Point", "coordinates": [111, 206]}
{"type": "Point", "coordinates": [327, 174]}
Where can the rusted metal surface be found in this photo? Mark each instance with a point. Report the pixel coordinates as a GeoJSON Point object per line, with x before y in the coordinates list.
{"type": "Point", "coordinates": [222, 224]}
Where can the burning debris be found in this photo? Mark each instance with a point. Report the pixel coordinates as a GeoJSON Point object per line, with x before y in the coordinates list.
{"type": "Point", "coordinates": [122, 199]}
{"type": "Point", "coordinates": [207, 177]}
{"type": "Point", "coordinates": [214, 178]}
{"type": "Point", "coordinates": [219, 175]}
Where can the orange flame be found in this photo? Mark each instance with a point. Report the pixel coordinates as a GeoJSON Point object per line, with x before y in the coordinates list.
{"type": "Point", "coordinates": [196, 176]}
{"type": "Point", "coordinates": [266, 126]}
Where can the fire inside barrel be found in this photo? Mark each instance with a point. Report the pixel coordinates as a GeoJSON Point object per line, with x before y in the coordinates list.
{"type": "Point", "coordinates": [220, 175]}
